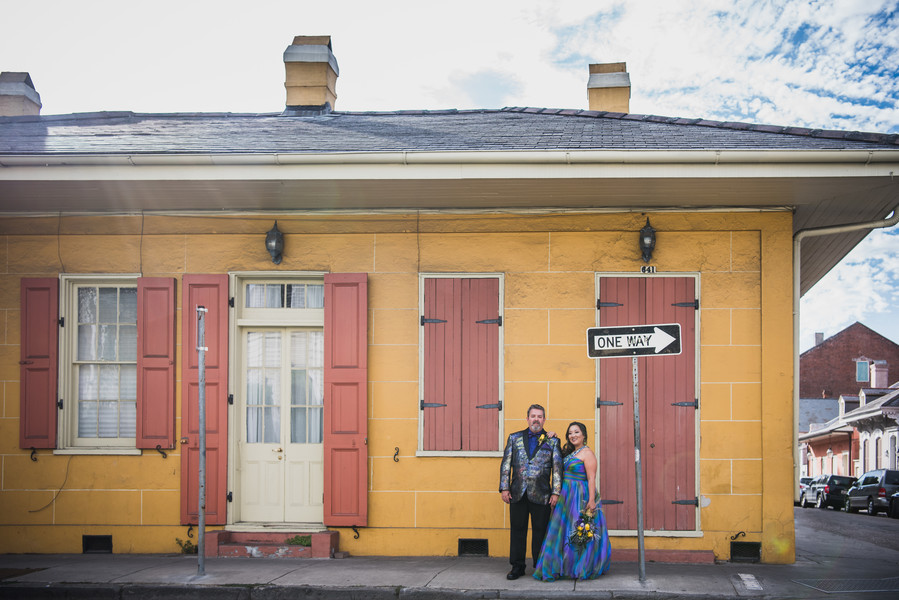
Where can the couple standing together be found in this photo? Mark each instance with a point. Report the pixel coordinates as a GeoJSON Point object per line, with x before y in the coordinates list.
{"type": "Point", "coordinates": [554, 489]}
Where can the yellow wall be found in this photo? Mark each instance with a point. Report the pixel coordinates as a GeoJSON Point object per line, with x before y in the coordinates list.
{"type": "Point", "coordinates": [424, 504]}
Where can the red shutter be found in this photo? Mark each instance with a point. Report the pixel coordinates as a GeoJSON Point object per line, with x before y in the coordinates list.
{"type": "Point", "coordinates": [480, 364]}
{"type": "Point", "coordinates": [155, 362]}
{"type": "Point", "coordinates": [460, 408]}
{"type": "Point", "coordinates": [210, 291]}
{"type": "Point", "coordinates": [442, 393]}
{"type": "Point", "coordinates": [667, 430]}
{"type": "Point", "coordinates": [346, 399]}
{"type": "Point", "coordinates": [38, 363]}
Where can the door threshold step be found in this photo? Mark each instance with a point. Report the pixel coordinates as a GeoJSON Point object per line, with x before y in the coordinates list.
{"type": "Point", "coordinates": [257, 544]}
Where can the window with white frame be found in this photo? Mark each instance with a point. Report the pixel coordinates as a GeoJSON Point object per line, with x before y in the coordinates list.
{"type": "Point", "coordinates": [862, 371]}
{"type": "Point", "coordinates": [98, 364]}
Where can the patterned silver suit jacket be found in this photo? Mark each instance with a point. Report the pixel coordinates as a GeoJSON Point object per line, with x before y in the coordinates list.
{"type": "Point", "coordinates": [539, 476]}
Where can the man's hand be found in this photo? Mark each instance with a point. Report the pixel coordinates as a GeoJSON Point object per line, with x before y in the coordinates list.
{"type": "Point", "coordinates": [553, 499]}
{"type": "Point", "coordinates": [507, 497]}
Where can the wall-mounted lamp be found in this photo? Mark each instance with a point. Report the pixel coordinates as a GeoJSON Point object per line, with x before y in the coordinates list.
{"type": "Point", "coordinates": [647, 241]}
{"type": "Point", "coordinates": [274, 243]}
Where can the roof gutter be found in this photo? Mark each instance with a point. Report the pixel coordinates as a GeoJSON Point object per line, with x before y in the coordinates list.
{"type": "Point", "coordinates": [797, 246]}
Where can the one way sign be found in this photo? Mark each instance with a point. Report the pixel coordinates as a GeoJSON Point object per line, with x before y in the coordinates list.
{"type": "Point", "coordinates": [633, 340]}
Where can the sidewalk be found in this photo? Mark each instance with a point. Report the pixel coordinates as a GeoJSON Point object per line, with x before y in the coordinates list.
{"type": "Point", "coordinates": [100, 576]}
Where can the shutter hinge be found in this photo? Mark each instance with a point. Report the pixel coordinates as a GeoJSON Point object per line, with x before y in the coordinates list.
{"type": "Point", "coordinates": [694, 304]}
{"type": "Point", "coordinates": [231, 301]}
{"type": "Point", "coordinates": [613, 501]}
{"type": "Point", "coordinates": [425, 405]}
{"type": "Point", "coordinates": [498, 405]}
{"type": "Point", "coordinates": [607, 403]}
{"type": "Point", "coordinates": [496, 321]}
{"type": "Point", "coordinates": [600, 304]}
{"type": "Point", "coordinates": [230, 496]}
{"type": "Point", "coordinates": [61, 322]}
{"type": "Point", "coordinates": [59, 403]}
{"type": "Point", "coordinates": [424, 320]}
{"type": "Point", "coordinates": [694, 502]}
{"type": "Point", "coordinates": [694, 404]}
{"type": "Point", "coordinates": [230, 398]}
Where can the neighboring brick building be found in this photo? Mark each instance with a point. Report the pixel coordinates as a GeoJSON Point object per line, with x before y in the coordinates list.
{"type": "Point", "coordinates": [831, 368]}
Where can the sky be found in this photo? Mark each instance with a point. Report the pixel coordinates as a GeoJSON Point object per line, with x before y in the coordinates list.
{"type": "Point", "coordinates": [809, 63]}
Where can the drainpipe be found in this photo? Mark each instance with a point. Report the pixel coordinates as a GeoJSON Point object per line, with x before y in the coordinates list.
{"type": "Point", "coordinates": [797, 244]}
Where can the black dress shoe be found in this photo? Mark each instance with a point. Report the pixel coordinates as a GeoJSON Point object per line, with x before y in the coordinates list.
{"type": "Point", "coordinates": [514, 574]}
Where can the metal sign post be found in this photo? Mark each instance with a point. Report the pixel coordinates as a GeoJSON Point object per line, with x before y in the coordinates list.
{"type": "Point", "coordinates": [634, 341]}
{"type": "Point", "coordinates": [201, 367]}
{"type": "Point", "coordinates": [639, 471]}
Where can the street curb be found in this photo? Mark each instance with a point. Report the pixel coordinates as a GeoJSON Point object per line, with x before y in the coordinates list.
{"type": "Point", "coordinates": [18, 591]}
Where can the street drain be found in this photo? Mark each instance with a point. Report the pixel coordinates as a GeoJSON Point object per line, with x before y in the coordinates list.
{"type": "Point", "coordinates": [834, 586]}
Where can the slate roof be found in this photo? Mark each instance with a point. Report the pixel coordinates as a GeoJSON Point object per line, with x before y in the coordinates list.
{"type": "Point", "coordinates": [414, 131]}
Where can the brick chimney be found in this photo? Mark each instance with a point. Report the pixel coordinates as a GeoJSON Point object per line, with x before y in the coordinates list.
{"type": "Point", "coordinates": [819, 338]}
{"type": "Point", "coordinates": [609, 87]}
{"type": "Point", "coordinates": [17, 95]}
{"type": "Point", "coordinates": [880, 374]}
{"type": "Point", "coordinates": [311, 75]}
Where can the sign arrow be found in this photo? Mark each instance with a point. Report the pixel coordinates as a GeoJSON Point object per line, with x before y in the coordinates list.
{"type": "Point", "coordinates": [660, 339]}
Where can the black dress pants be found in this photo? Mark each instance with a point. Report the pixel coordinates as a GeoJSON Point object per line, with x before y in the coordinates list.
{"type": "Point", "coordinates": [519, 513]}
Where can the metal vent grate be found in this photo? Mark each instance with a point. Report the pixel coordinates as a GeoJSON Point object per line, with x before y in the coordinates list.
{"type": "Point", "coordinates": [745, 552]}
{"type": "Point", "coordinates": [473, 547]}
{"type": "Point", "coordinates": [96, 544]}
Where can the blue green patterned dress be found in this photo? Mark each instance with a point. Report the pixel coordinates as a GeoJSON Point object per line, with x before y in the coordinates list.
{"type": "Point", "coordinates": [558, 558]}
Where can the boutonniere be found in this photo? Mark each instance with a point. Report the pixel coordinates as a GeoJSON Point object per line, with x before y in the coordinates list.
{"type": "Point", "coordinates": [541, 439]}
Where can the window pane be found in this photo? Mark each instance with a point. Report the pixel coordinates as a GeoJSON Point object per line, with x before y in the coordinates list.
{"type": "Point", "coordinates": [272, 349]}
{"type": "Point", "coordinates": [128, 382]}
{"type": "Point", "coordinates": [128, 305]}
{"type": "Point", "coordinates": [128, 342]}
{"type": "Point", "coordinates": [87, 419]}
{"type": "Point", "coordinates": [254, 425]}
{"type": "Point", "coordinates": [296, 296]}
{"type": "Point", "coordinates": [316, 426]}
{"type": "Point", "coordinates": [255, 295]}
{"type": "Point", "coordinates": [109, 305]}
{"type": "Point", "coordinates": [316, 348]}
{"type": "Point", "coordinates": [254, 387]}
{"type": "Point", "coordinates": [274, 296]}
{"type": "Point", "coordinates": [127, 419]}
{"type": "Point", "coordinates": [272, 424]}
{"type": "Point", "coordinates": [297, 387]}
{"type": "Point", "coordinates": [109, 382]}
{"type": "Point", "coordinates": [298, 349]}
{"type": "Point", "coordinates": [109, 419]}
{"type": "Point", "coordinates": [107, 342]}
{"type": "Point", "coordinates": [316, 388]}
{"type": "Point", "coordinates": [273, 387]}
{"type": "Point", "coordinates": [315, 295]}
{"type": "Point", "coordinates": [88, 382]}
{"type": "Point", "coordinates": [86, 342]}
{"type": "Point", "coordinates": [87, 305]}
{"type": "Point", "coordinates": [298, 425]}
{"type": "Point", "coordinates": [254, 349]}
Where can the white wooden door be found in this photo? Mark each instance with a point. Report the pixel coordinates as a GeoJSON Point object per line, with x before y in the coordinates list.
{"type": "Point", "coordinates": [281, 471]}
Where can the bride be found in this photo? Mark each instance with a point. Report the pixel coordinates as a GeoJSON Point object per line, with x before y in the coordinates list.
{"type": "Point", "coordinates": [575, 547]}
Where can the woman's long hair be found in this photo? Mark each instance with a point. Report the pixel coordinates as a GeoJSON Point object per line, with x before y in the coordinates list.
{"type": "Point", "coordinates": [568, 448]}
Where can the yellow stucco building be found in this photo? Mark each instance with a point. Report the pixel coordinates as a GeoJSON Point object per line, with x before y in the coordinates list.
{"type": "Point", "coordinates": [338, 397]}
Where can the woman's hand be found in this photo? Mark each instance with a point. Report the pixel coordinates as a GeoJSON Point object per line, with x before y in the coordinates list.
{"type": "Point", "coordinates": [591, 506]}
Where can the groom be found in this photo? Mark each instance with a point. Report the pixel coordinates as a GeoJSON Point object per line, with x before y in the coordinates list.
{"type": "Point", "coordinates": [530, 480]}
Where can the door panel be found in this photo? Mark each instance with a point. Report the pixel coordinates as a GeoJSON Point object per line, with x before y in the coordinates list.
{"type": "Point", "coordinates": [667, 414]}
{"type": "Point", "coordinates": [281, 408]}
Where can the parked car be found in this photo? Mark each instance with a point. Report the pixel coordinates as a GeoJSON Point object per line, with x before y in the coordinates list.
{"type": "Point", "coordinates": [872, 491]}
{"type": "Point", "coordinates": [894, 506]}
{"type": "Point", "coordinates": [803, 483]}
{"type": "Point", "coordinates": [827, 490]}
